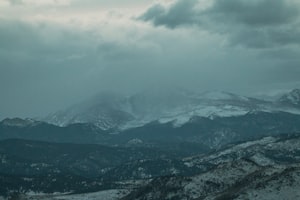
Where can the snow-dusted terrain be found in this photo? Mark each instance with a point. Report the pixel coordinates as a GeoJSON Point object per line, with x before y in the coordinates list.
{"type": "Point", "coordinates": [103, 195]}
{"type": "Point", "coordinates": [266, 169]}
{"type": "Point", "coordinates": [115, 111]}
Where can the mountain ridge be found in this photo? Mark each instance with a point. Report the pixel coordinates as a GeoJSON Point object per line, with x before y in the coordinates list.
{"type": "Point", "coordinates": [121, 112]}
{"type": "Point", "coordinates": [198, 134]}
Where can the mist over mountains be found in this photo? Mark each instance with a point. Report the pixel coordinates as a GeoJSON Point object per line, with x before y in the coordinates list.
{"type": "Point", "coordinates": [116, 111]}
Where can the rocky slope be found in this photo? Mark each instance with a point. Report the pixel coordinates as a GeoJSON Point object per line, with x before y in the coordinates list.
{"type": "Point", "coordinates": [291, 99]}
{"type": "Point", "coordinates": [264, 169]}
{"type": "Point", "coordinates": [268, 168]}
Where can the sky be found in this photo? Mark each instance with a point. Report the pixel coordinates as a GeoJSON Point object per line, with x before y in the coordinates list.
{"type": "Point", "coordinates": [55, 53]}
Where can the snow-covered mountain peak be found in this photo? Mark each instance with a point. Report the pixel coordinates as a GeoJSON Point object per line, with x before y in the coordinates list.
{"type": "Point", "coordinates": [292, 97]}
{"type": "Point", "coordinates": [221, 95]}
{"type": "Point", "coordinates": [117, 111]}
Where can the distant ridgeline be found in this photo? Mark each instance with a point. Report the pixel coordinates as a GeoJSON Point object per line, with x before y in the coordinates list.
{"type": "Point", "coordinates": [201, 134]}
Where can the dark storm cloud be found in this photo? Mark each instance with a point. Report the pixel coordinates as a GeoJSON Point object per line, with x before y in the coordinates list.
{"type": "Point", "coordinates": [254, 13]}
{"type": "Point", "coordinates": [259, 23]}
{"type": "Point", "coordinates": [180, 13]}
{"type": "Point", "coordinates": [254, 24]}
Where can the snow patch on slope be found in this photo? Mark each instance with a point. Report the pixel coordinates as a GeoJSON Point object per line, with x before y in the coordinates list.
{"type": "Point", "coordinates": [114, 194]}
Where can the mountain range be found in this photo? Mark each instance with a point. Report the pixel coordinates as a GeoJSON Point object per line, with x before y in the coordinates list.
{"type": "Point", "coordinates": [156, 144]}
{"type": "Point", "coordinates": [173, 120]}
{"type": "Point", "coordinates": [198, 135]}
{"type": "Point", "coordinates": [119, 112]}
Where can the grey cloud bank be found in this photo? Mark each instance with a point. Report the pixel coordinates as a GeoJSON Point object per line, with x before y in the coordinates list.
{"type": "Point", "coordinates": [48, 64]}
{"type": "Point", "coordinates": [254, 24]}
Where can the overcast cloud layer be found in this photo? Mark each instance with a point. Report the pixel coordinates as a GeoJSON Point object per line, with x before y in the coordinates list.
{"type": "Point", "coordinates": [56, 53]}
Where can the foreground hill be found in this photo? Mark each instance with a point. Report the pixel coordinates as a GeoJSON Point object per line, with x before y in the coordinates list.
{"type": "Point", "coordinates": [267, 168]}
{"type": "Point", "coordinates": [264, 169]}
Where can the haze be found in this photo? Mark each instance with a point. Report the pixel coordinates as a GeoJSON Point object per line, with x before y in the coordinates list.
{"type": "Point", "coordinates": [57, 53]}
